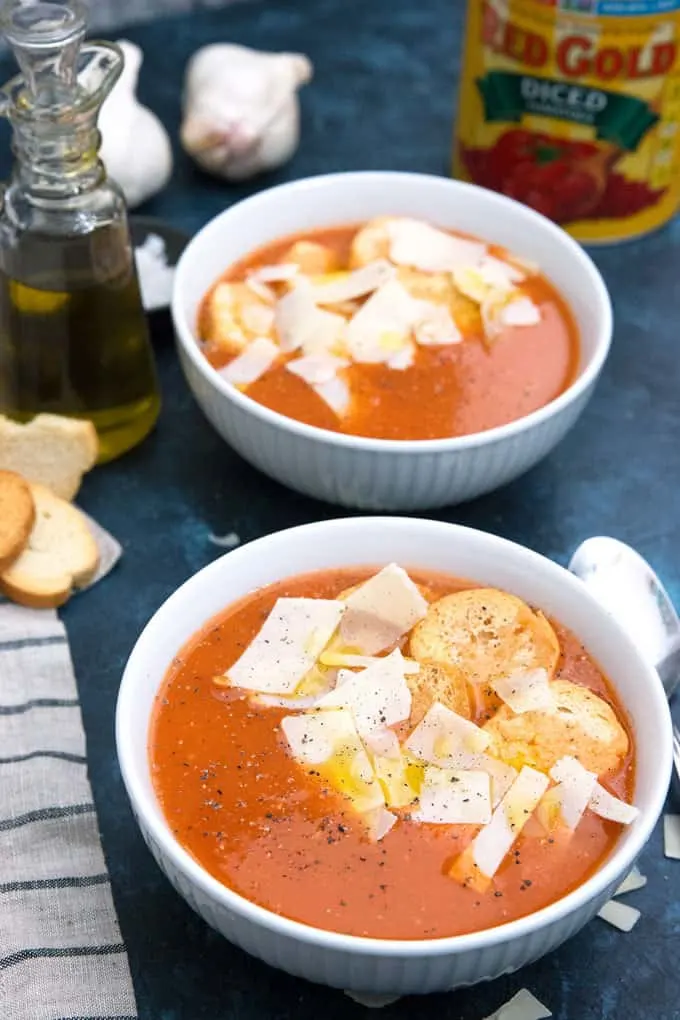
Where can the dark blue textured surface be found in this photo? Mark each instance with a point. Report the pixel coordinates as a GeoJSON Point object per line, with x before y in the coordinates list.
{"type": "Point", "coordinates": [382, 97]}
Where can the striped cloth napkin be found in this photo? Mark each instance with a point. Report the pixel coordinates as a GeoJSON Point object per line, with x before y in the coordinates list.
{"type": "Point", "coordinates": [61, 953]}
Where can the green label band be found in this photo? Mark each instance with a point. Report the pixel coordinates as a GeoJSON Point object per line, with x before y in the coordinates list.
{"type": "Point", "coordinates": [621, 120]}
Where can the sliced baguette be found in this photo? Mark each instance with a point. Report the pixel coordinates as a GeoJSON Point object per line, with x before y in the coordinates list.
{"type": "Point", "coordinates": [50, 450]}
{"type": "Point", "coordinates": [17, 514]}
{"type": "Point", "coordinates": [60, 555]}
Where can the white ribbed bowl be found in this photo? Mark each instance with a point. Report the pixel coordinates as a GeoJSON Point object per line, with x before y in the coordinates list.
{"type": "Point", "coordinates": [373, 965]}
{"type": "Point", "coordinates": [383, 474]}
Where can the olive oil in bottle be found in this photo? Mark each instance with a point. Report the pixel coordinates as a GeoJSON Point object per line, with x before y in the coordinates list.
{"type": "Point", "coordinates": [73, 335]}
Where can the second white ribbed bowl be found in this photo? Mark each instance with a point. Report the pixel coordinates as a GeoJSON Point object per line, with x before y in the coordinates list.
{"type": "Point", "coordinates": [382, 474]}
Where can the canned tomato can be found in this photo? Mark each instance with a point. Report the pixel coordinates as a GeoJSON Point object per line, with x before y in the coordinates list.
{"type": "Point", "coordinates": [573, 107]}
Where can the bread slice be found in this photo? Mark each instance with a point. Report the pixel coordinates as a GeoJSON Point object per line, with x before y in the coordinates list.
{"type": "Point", "coordinates": [50, 450]}
{"type": "Point", "coordinates": [60, 555]}
{"type": "Point", "coordinates": [17, 513]}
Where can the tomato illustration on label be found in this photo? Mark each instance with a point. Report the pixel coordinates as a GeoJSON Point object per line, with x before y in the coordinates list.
{"type": "Point", "coordinates": [574, 110]}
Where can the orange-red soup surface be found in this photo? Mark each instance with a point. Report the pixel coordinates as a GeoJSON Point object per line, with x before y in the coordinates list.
{"type": "Point", "coordinates": [257, 821]}
{"type": "Point", "coordinates": [449, 391]}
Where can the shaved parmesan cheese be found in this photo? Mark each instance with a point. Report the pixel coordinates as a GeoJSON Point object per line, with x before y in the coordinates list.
{"type": "Point", "coordinates": [348, 286]}
{"type": "Point", "coordinates": [480, 861]}
{"type": "Point", "coordinates": [575, 786]}
{"type": "Point", "coordinates": [671, 836]}
{"type": "Point", "coordinates": [454, 797]}
{"type": "Point", "coordinates": [379, 821]}
{"type": "Point", "coordinates": [606, 805]}
{"type": "Point", "coordinates": [300, 324]}
{"type": "Point", "coordinates": [377, 697]}
{"type": "Point", "coordinates": [520, 312]}
{"type": "Point", "coordinates": [257, 318]}
{"type": "Point", "coordinates": [402, 359]}
{"type": "Point", "coordinates": [417, 244]}
{"type": "Point", "coordinates": [631, 883]}
{"type": "Point", "coordinates": [329, 741]}
{"type": "Point", "coordinates": [619, 915]}
{"type": "Point", "coordinates": [442, 734]}
{"type": "Point", "coordinates": [434, 326]}
{"type": "Point", "coordinates": [383, 743]}
{"type": "Point", "coordinates": [281, 272]}
{"type": "Point", "coordinates": [492, 278]}
{"type": "Point", "coordinates": [261, 290]}
{"type": "Point", "coordinates": [331, 658]}
{"type": "Point", "coordinates": [317, 368]}
{"type": "Point", "coordinates": [287, 645]}
{"type": "Point", "coordinates": [498, 313]}
{"type": "Point", "coordinates": [526, 691]}
{"type": "Point", "coordinates": [335, 392]}
{"type": "Point", "coordinates": [253, 362]}
{"type": "Point", "coordinates": [499, 273]}
{"type": "Point", "coordinates": [523, 1006]}
{"type": "Point", "coordinates": [400, 777]}
{"type": "Point", "coordinates": [382, 326]}
{"type": "Point", "coordinates": [502, 776]}
{"type": "Point", "coordinates": [381, 610]}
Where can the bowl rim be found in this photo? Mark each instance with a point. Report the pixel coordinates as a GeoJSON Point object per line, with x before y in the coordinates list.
{"type": "Point", "coordinates": [621, 858]}
{"type": "Point", "coordinates": [187, 341]}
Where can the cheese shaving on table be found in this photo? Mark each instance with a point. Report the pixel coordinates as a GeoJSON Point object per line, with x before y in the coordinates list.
{"type": "Point", "coordinates": [329, 741]}
{"type": "Point", "coordinates": [442, 734]}
{"type": "Point", "coordinates": [382, 326]}
{"type": "Point", "coordinates": [381, 610]}
{"type": "Point", "coordinates": [287, 645]}
{"type": "Point", "coordinates": [316, 369]}
{"type": "Point", "coordinates": [619, 915]}
{"type": "Point", "coordinates": [421, 246]}
{"type": "Point", "coordinates": [633, 881]}
{"type": "Point", "coordinates": [253, 362]}
{"type": "Point", "coordinates": [526, 691]}
{"type": "Point", "coordinates": [377, 696]}
{"type": "Point", "coordinates": [335, 393]}
{"type": "Point", "coordinates": [606, 805]}
{"type": "Point", "coordinates": [356, 284]}
{"type": "Point", "coordinates": [568, 800]}
{"type": "Point", "coordinates": [523, 1006]}
{"type": "Point", "coordinates": [480, 861]}
{"type": "Point", "coordinates": [454, 797]}
{"type": "Point", "coordinates": [671, 837]}
{"type": "Point", "coordinates": [301, 324]}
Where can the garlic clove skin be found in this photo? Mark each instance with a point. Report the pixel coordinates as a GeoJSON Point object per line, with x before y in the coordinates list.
{"type": "Point", "coordinates": [135, 148]}
{"type": "Point", "coordinates": [241, 109]}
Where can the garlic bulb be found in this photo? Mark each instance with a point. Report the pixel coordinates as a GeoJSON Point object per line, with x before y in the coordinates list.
{"type": "Point", "coordinates": [135, 146]}
{"type": "Point", "coordinates": [241, 109]}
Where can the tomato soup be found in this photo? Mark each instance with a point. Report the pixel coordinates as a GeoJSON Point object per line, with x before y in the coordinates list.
{"type": "Point", "coordinates": [280, 834]}
{"type": "Point", "coordinates": [412, 353]}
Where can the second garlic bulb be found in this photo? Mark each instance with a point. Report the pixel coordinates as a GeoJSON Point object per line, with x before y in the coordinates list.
{"type": "Point", "coordinates": [241, 109]}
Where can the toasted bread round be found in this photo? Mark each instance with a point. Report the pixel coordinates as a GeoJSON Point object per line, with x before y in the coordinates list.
{"type": "Point", "coordinates": [60, 555]}
{"type": "Point", "coordinates": [17, 514]}
{"type": "Point", "coordinates": [435, 682]}
{"type": "Point", "coordinates": [486, 633]}
{"type": "Point", "coordinates": [51, 450]}
{"type": "Point", "coordinates": [234, 316]}
{"type": "Point", "coordinates": [583, 726]}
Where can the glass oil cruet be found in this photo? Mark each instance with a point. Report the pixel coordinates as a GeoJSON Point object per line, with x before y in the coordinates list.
{"type": "Point", "coordinates": [73, 335]}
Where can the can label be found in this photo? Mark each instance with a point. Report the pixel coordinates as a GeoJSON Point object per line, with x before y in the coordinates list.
{"type": "Point", "coordinates": [573, 107]}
